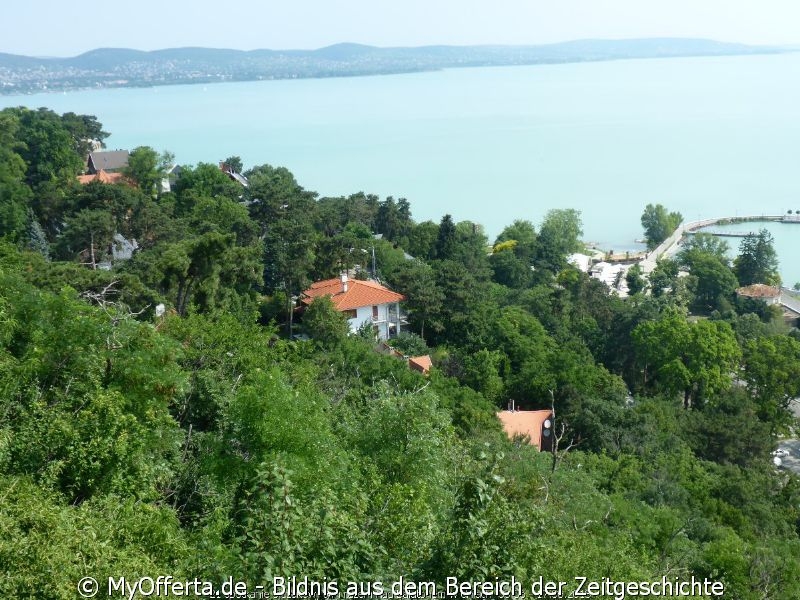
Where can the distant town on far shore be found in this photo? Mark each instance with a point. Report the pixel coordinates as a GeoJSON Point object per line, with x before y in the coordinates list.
{"type": "Point", "coordinates": [118, 67]}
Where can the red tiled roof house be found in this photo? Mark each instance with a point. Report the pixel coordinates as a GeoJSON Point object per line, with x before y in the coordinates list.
{"type": "Point", "coordinates": [768, 294]}
{"type": "Point", "coordinates": [362, 302]}
{"type": "Point", "coordinates": [536, 425]}
{"type": "Point", "coordinates": [421, 364]}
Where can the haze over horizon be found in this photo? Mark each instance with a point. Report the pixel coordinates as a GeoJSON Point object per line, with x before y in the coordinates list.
{"type": "Point", "coordinates": [54, 28]}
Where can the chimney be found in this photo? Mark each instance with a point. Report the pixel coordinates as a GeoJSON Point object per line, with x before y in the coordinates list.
{"type": "Point", "coordinates": [344, 282]}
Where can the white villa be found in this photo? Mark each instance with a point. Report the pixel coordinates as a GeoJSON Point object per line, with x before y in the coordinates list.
{"type": "Point", "coordinates": [362, 302]}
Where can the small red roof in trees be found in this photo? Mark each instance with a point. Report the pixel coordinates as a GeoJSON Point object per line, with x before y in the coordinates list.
{"type": "Point", "coordinates": [359, 293]}
{"type": "Point", "coordinates": [422, 364]}
{"type": "Point", "coordinates": [525, 422]}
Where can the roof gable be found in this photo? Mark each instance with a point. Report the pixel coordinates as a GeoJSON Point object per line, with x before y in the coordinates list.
{"type": "Point", "coordinates": [422, 363]}
{"type": "Point", "coordinates": [359, 293]}
{"type": "Point", "coordinates": [113, 160]}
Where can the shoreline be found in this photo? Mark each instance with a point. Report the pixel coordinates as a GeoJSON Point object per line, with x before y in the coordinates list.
{"type": "Point", "coordinates": [210, 80]}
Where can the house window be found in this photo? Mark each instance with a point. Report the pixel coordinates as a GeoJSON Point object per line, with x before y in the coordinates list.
{"type": "Point", "coordinates": [375, 312]}
{"type": "Point", "coordinates": [350, 314]}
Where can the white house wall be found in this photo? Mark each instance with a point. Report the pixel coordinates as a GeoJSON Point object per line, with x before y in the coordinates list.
{"type": "Point", "coordinates": [364, 315]}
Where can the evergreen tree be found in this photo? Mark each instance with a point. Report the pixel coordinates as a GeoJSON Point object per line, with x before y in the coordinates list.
{"type": "Point", "coordinates": [36, 238]}
{"type": "Point", "coordinates": [446, 239]}
{"type": "Point", "coordinates": [757, 261]}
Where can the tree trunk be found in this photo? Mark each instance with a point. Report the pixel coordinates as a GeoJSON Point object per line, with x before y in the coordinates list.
{"type": "Point", "coordinates": [289, 310]}
{"type": "Point", "coordinates": [184, 291]}
{"type": "Point", "coordinates": [91, 250]}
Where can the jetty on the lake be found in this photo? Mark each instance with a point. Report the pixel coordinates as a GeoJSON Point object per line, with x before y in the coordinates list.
{"type": "Point", "coordinates": [612, 268]}
{"type": "Point", "coordinates": [740, 234]}
{"type": "Point", "coordinates": [669, 246]}
{"type": "Point", "coordinates": [723, 233]}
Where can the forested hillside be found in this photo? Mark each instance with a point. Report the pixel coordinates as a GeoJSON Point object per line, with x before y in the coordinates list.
{"type": "Point", "coordinates": [209, 443]}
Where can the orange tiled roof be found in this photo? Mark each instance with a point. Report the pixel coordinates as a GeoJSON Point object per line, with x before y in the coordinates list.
{"type": "Point", "coordinates": [359, 293]}
{"type": "Point", "coordinates": [524, 422]}
{"type": "Point", "coordinates": [422, 364]}
{"type": "Point", "coordinates": [103, 177]}
{"type": "Point", "coordinates": [759, 290]}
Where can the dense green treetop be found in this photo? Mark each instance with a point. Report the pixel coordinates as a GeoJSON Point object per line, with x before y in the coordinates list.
{"type": "Point", "coordinates": [559, 236]}
{"type": "Point", "coordinates": [48, 145]}
{"type": "Point", "coordinates": [703, 243]}
{"type": "Point", "coordinates": [757, 261]}
{"type": "Point", "coordinates": [659, 224]}
{"type": "Point", "coordinates": [713, 281]}
{"type": "Point", "coordinates": [635, 280]}
{"type": "Point", "coordinates": [147, 169]}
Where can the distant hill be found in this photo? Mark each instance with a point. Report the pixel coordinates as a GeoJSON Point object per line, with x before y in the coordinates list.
{"type": "Point", "coordinates": [115, 67]}
{"type": "Point", "coordinates": [15, 61]}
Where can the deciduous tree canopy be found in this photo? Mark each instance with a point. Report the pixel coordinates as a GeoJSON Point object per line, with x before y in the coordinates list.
{"type": "Point", "coordinates": [659, 224]}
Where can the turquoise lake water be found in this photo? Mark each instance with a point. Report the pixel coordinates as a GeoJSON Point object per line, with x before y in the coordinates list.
{"type": "Point", "coordinates": [710, 136]}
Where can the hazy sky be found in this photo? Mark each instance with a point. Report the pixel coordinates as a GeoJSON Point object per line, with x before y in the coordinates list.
{"type": "Point", "coordinates": [65, 28]}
